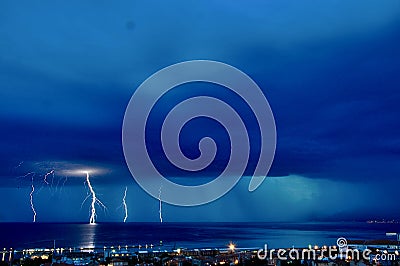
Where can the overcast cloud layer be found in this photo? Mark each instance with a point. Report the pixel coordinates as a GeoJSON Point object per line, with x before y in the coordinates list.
{"type": "Point", "coordinates": [329, 70]}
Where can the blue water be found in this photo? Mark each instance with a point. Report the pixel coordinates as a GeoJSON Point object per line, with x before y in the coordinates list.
{"type": "Point", "coordinates": [189, 235]}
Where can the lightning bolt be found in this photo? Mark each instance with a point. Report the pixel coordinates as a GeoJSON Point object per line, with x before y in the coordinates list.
{"type": "Point", "coordinates": [46, 175]}
{"type": "Point", "coordinates": [125, 205]}
{"type": "Point", "coordinates": [19, 165]}
{"type": "Point", "coordinates": [26, 175]}
{"type": "Point", "coordinates": [32, 174]}
{"type": "Point", "coordinates": [31, 199]}
{"type": "Point", "coordinates": [160, 209]}
{"type": "Point", "coordinates": [95, 200]}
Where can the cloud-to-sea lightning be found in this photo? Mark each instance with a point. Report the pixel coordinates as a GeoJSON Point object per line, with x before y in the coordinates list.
{"type": "Point", "coordinates": [160, 207]}
{"type": "Point", "coordinates": [95, 200]}
{"type": "Point", "coordinates": [31, 199]}
{"type": "Point", "coordinates": [31, 193]}
{"type": "Point", "coordinates": [125, 205]}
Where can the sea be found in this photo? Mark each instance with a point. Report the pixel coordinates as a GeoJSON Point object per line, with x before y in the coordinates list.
{"type": "Point", "coordinates": [188, 235]}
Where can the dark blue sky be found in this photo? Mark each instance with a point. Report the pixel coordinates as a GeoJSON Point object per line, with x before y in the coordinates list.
{"type": "Point", "coordinates": [329, 69]}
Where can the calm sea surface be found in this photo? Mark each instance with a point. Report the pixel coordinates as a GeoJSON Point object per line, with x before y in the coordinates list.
{"type": "Point", "coordinates": [189, 235]}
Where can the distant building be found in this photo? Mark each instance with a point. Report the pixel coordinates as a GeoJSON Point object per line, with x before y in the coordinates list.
{"type": "Point", "coordinates": [118, 262]}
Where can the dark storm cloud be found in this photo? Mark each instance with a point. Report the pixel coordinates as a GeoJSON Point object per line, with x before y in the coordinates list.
{"type": "Point", "coordinates": [334, 100]}
{"type": "Point", "coordinates": [329, 71]}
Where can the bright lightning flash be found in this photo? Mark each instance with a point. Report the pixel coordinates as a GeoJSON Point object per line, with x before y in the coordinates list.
{"type": "Point", "coordinates": [46, 175]}
{"type": "Point", "coordinates": [31, 199]}
{"type": "Point", "coordinates": [160, 209]}
{"type": "Point", "coordinates": [125, 205]}
{"type": "Point", "coordinates": [95, 200]}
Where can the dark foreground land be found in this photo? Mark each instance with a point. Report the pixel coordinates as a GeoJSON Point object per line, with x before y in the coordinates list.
{"type": "Point", "coordinates": [155, 255]}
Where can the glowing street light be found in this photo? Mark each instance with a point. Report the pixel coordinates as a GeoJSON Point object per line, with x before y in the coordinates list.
{"type": "Point", "coordinates": [231, 247]}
